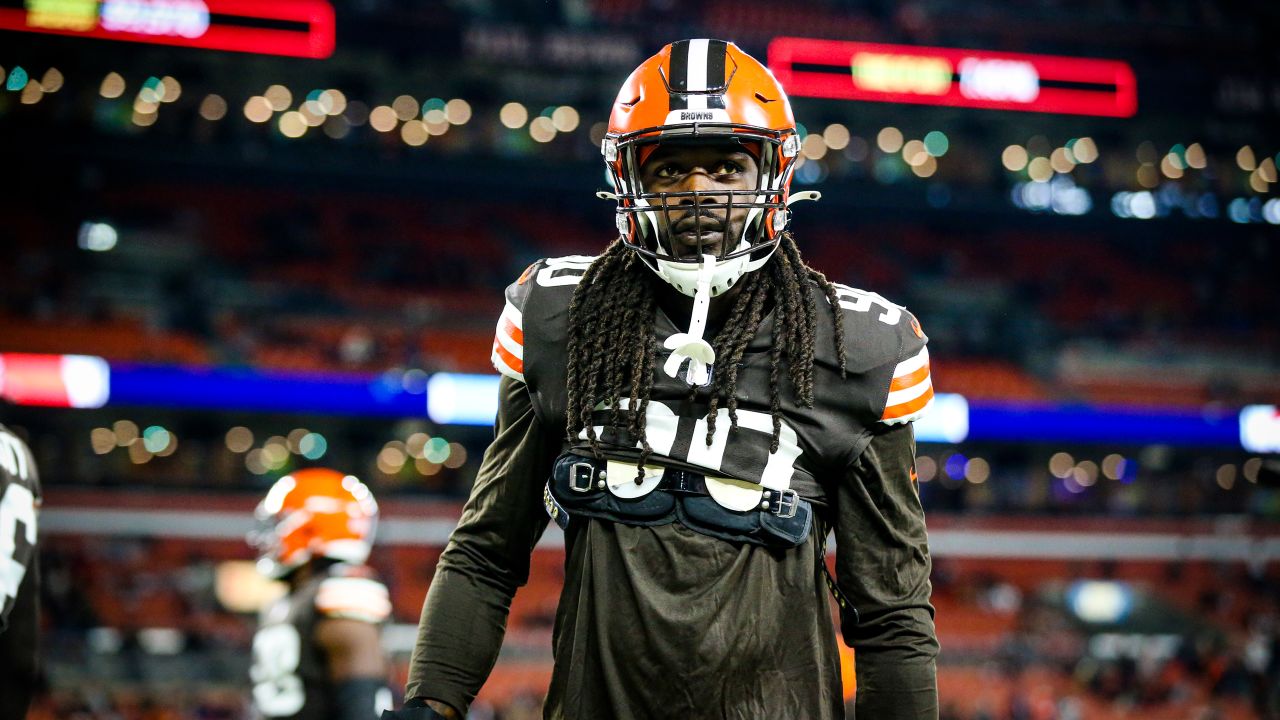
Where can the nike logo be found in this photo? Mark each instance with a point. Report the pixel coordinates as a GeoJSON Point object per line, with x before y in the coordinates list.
{"type": "Point", "coordinates": [913, 474]}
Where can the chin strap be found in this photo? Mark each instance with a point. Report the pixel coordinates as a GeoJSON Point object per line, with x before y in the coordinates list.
{"type": "Point", "coordinates": [796, 197]}
{"type": "Point", "coordinates": [690, 346]}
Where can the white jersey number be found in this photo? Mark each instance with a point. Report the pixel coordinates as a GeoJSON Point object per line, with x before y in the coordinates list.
{"type": "Point", "coordinates": [566, 270]}
{"type": "Point", "coordinates": [863, 301]}
{"type": "Point", "coordinates": [17, 505]}
{"type": "Point", "coordinates": [277, 689]}
{"type": "Point", "coordinates": [662, 425]}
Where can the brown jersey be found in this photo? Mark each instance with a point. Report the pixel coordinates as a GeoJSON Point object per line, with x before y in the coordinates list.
{"type": "Point", "coordinates": [19, 575]}
{"type": "Point", "coordinates": [662, 620]}
{"type": "Point", "coordinates": [886, 382]}
{"type": "Point", "coordinates": [289, 673]}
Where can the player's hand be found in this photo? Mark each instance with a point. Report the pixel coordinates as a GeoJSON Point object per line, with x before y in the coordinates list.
{"type": "Point", "coordinates": [422, 709]}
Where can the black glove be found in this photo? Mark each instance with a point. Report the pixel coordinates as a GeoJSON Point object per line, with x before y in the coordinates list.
{"type": "Point", "coordinates": [414, 709]}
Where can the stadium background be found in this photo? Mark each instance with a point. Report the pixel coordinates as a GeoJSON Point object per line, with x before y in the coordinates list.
{"type": "Point", "coordinates": [222, 265]}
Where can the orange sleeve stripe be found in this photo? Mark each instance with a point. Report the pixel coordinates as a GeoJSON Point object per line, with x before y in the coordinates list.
{"type": "Point", "coordinates": [906, 408]}
{"type": "Point", "coordinates": [512, 361]}
{"type": "Point", "coordinates": [512, 331]}
{"type": "Point", "coordinates": [912, 378]}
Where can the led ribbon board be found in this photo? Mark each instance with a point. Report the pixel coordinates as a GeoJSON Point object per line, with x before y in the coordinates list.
{"type": "Point", "coordinates": [295, 28]}
{"type": "Point", "coordinates": [960, 78]}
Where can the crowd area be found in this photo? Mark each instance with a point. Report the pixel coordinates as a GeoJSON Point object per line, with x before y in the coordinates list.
{"type": "Point", "coordinates": [130, 621]}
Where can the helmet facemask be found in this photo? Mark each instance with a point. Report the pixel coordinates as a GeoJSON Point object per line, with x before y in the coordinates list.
{"type": "Point", "coordinates": [645, 218]}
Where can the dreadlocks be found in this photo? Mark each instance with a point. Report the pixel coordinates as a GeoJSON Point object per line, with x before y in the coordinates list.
{"type": "Point", "coordinates": [612, 345]}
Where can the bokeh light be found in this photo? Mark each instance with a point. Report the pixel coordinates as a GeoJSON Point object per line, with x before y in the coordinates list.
{"type": "Point", "coordinates": [1014, 158]}
{"type": "Point", "coordinates": [313, 446]}
{"type": "Point", "coordinates": [383, 119]}
{"type": "Point", "coordinates": [457, 111]}
{"type": "Point", "coordinates": [813, 147]}
{"type": "Point", "coordinates": [102, 440]}
{"type": "Point", "coordinates": [414, 133]}
{"type": "Point", "coordinates": [542, 129]}
{"type": "Point", "coordinates": [565, 119]}
{"type": "Point", "coordinates": [836, 136]}
{"type": "Point", "coordinates": [126, 432]}
{"type": "Point", "coordinates": [405, 107]}
{"type": "Point", "coordinates": [213, 108]}
{"type": "Point", "coordinates": [513, 115]}
{"type": "Point", "coordinates": [17, 79]}
{"type": "Point", "coordinates": [292, 124]}
{"type": "Point", "coordinates": [914, 152]}
{"type": "Point", "coordinates": [926, 468]}
{"type": "Point", "coordinates": [1245, 159]}
{"type": "Point", "coordinates": [1061, 464]}
{"type": "Point", "coordinates": [239, 439]}
{"type": "Point", "coordinates": [889, 140]}
{"type": "Point", "coordinates": [936, 143]}
{"type": "Point", "coordinates": [112, 87]}
{"type": "Point", "coordinates": [977, 470]}
{"type": "Point", "coordinates": [257, 109]}
{"type": "Point", "coordinates": [32, 93]}
{"type": "Point", "coordinates": [1084, 150]}
{"type": "Point", "coordinates": [52, 80]}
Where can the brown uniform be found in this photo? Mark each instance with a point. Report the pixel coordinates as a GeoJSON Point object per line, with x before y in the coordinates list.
{"type": "Point", "coordinates": [662, 621]}
{"type": "Point", "coordinates": [19, 575]}
{"type": "Point", "coordinates": [290, 671]}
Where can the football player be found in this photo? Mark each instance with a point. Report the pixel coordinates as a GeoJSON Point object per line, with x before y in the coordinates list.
{"type": "Point", "coordinates": [19, 575]}
{"type": "Point", "coordinates": [697, 408]}
{"type": "Point", "coordinates": [317, 653]}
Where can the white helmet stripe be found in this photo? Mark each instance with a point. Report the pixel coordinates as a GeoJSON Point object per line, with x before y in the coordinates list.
{"type": "Point", "coordinates": [696, 77]}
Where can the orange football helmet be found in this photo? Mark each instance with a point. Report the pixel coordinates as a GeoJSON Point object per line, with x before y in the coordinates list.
{"type": "Point", "coordinates": [314, 513]}
{"type": "Point", "coordinates": [702, 91]}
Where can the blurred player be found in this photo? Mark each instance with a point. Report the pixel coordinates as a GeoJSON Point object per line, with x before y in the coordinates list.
{"type": "Point", "coordinates": [317, 653]}
{"type": "Point", "coordinates": [19, 575]}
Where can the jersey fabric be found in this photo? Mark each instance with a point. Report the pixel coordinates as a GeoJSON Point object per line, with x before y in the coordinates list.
{"type": "Point", "coordinates": [19, 574]}
{"type": "Point", "coordinates": [289, 673]}
{"type": "Point", "coordinates": [663, 621]}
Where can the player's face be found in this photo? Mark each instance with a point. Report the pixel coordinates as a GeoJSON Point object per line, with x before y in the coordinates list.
{"type": "Point", "coordinates": [691, 231]}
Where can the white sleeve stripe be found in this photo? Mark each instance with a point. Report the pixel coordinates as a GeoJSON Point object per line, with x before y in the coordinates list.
{"type": "Point", "coordinates": [913, 363]}
{"type": "Point", "coordinates": [501, 366]}
{"type": "Point", "coordinates": [510, 312]}
{"type": "Point", "coordinates": [359, 598]}
{"type": "Point", "coordinates": [345, 600]}
{"type": "Point", "coordinates": [905, 395]}
{"type": "Point", "coordinates": [367, 613]}
{"type": "Point", "coordinates": [510, 344]}
{"type": "Point", "coordinates": [371, 606]}
{"type": "Point", "coordinates": [360, 588]}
